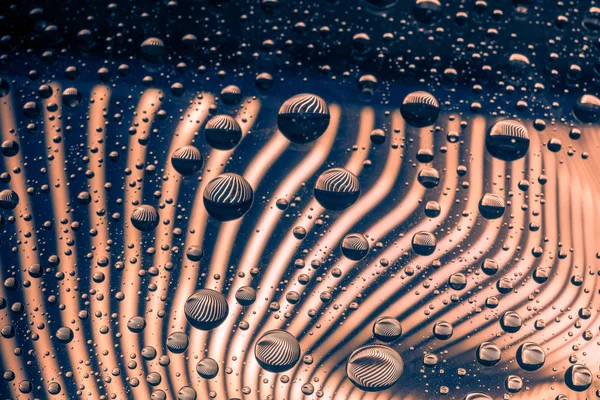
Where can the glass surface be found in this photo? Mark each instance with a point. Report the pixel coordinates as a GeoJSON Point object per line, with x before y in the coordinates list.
{"type": "Point", "coordinates": [270, 199]}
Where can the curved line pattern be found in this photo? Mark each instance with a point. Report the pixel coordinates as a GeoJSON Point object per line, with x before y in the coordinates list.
{"type": "Point", "coordinates": [67, 251]}
{"type": "Point", "coordinates": [28, 252]}
{"type": "Point", "coordinates": [276, 309]}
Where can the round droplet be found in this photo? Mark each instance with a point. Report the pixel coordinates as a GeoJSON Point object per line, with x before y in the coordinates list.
{"type": "Point", "coordinates": [355, 246]}
{"type": "Point", "coordinates": [587, 109]}
{"type": "Point", "coordinates": [511, 322]}
{"type": "Point", "coordinates": [377, 136]}
{"type": "Point", "coordinates": [423, 243]}
{"type": "Point", "coordinates": [489, 266]}
{"type": "Point", "coordinates": [157, 394]}
{"type": "Point", "coordinates": [429, 177]}
{"type": "Point", "coordinates": [187, 160]}
{"type": "Point", "coordinates": [186, 393]}
{"type": "Point", "coordinates": [488, 354]}
{"type": "Point", "coordinates": [64, 334]}
{"type": "Point", "coordinates": [206, 309]}
{"type": "Point", "coordinates": [578, 378]}
{"type": "Point", "coordinates": [387, 329]}
{"type": "Point", "coordinates": [443, 330]}
{"type": "Point", "coordinates": [337, 189]}
{"type": "Point", "coordinates": [491, 206]}
{"type": "Point", "coordinates": [277, 351]}
{"type": "Point", "coordinates": [507, 140]}
{"type": "Point", "coordinates": [136, 324]}
{"type": "Point", "coordinates": [207, 368]}
{"type": "Point", "coordinates": [178, 342]}
{"type": "Point", "coordinates": [245, 295]}
{"type": "Point", "coordinates": [71, 97]}
{"type": "Point", "coordinates": [8, 199]}
{"type": "Point", "coordinates": [457, 281]}
{"type": "Point", "coordinates": [513, 384]}
{"type": "Point", "coordinates": [54, 388]}
{"type": "Point", "coordinates": [374, 368]}
{"type": "Point", "coordinates": [228, 197]}
{"type": "Point", "coordinates": [231, 95]}
{"type": "Point", "coordinates": [152, 49]}
{"type": "Point", "coordinates": [31, 109]}
{"type": "Point", "coordinates": [149, 353]}
{"type": "Point", "coordinates": [303, 118]}
{"type": "Point", "coordinates": [531, 356]}
{"type": "Point", "coordinates": [518, 63]}
{"type": "Point", "coordinates": [222, 132]}
{"type": "Point", "coordinates": [430, 360]}
{"type": "Point", "coordinates": [9, 148]}
{"type": "Point", "coordinates": [427, 11]}
{"type": "Point", "coordinates": [420, 109]}
{"type": "Point", "coordinates": [194, 253]}
{"type": "Point", "coordinates": [432, 209]}
{"type": "Point", "coordinates": [145, 218]}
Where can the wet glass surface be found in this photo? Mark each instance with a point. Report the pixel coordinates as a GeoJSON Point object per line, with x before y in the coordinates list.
{"type": "Point", "coordinates": [296, 200]}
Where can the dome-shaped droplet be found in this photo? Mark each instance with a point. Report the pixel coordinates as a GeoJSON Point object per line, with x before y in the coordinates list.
{"type": "Point", "coordinates": [337, 189]}
{"type": "Point", "coordinates": [427, 11]}
{"type": "Point", "coordinates": [303, 118]}
{"type": "Point", "coordinates": [152, 49]}
{"type": "Point", "coordinates": [222, 132]}
{"type": "Point", "coordinates": [587, 108]}
{"type": "Point", "coordinates": [531, 356]}
{"type": "Point", "coordinates": [489, 266]}
{"type": "Point", "coordinates": [8, 199]}
{"type": "Point", "coordinates": [64, 334]}
{"type": "Point", "coordinates": [511, 322]}
{"type": "Point", "coordinates": [231, 95]}
{"type": "Point", "coordinates": [491, 206]}
{"type": "Point", "coordinates": [207, 368]}
{"type": "Point", "coordinates": [578, 378]}
{"type": "Point", "coordinates": [457, 281]}
{"type": "Point", "coordinates": [54, 388]}
{"type": "Point", "coordinates": [374, 368]}
{"type": "Point", "coordinates": [443, 330]}
{"type": "Point", "coordinates": [420, 109]}
{"type": "Point", "coordinates": [177, 342]}
{"type": "Point", "coordinates": [31, 109]}
{"type": "Point", "coordinates": [507, 140]}
{"type": "Point", "coordinates": [71, 97]}
{"type": "Point", "coordinates": [277, 351]}
{"type": "Point", "coordinates": [186, 393]}
{"type": "Point", "coordinates": [136, 324]}
{"type": "Point", "coordinates": [488, 354]}
{"type": "Point", "coordinates": [245, 295]}
{"type": "Point", "coordinates": [228, 197]}
{"type": "Point", "coordinates": [513, 383]}
{"type": "Point", "coordinates": [187, 160]}
{"type": "Point", "coordinates": [145, 218]}
{"type": "Point", "coordinates": [518, 63]}
{"type": "Point", "coordinates": [423, 243]}
{"type": "Point", "coordinates": [9, 148]}
{"type": "Point", "coordinates": [355, 246]}
{"type": "Point", "coordinates": [206, 309]}
{"type": "Point", "coordinates": [194, 253]}
{"type": "Point", "coordinates": [429, 177]}
{"type": "Point", "coordinates": [387, 329]}
{"type": "Point", "coordinates": [432, 209]}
